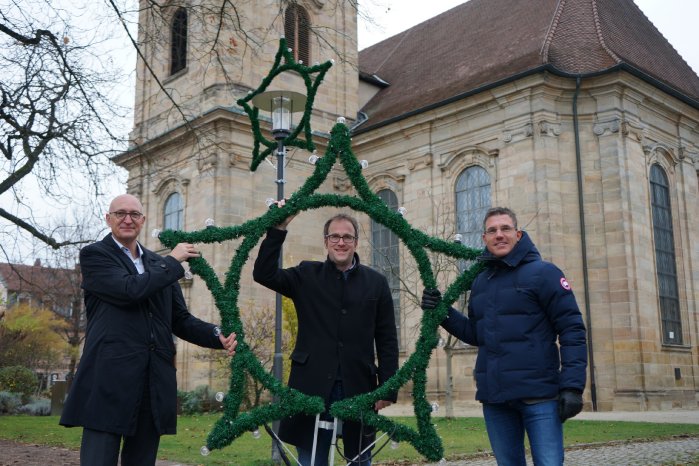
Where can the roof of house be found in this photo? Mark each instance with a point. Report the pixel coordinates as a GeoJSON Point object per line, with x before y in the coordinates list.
{"type": "Point", "coordinates": [483, 42]}
{"type": "Point", "coordinates": [37, 280]}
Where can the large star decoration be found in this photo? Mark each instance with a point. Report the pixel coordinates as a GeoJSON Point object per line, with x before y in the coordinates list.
{"type": "Point", "coordinates": [288, 401]}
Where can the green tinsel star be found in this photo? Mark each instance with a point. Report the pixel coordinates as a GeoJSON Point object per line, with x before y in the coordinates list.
{"type": "Point", "coordinates": [289, 402]}
{"type": "Point", "coordinates": [306, 72]}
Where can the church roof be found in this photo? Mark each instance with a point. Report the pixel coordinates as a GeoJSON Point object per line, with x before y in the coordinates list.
{"type": "Point", "coordinates": [485, 42]}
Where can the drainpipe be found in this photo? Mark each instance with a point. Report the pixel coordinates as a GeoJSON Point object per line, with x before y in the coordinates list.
{"type": "Point", "coordinates": [583, 245]}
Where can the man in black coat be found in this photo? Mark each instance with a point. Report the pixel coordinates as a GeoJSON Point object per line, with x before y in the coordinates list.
{"type": "Point", "coordinates": [125, 386]}
{"type": "Point", "coordinates": [344, 311]}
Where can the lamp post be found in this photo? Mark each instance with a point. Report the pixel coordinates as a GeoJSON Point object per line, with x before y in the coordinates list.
{"type": "Point", "coordinates": [281, 105]}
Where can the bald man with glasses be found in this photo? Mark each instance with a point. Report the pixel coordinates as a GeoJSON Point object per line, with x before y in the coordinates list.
{"type": "Point", "coordinates": [125, 388]}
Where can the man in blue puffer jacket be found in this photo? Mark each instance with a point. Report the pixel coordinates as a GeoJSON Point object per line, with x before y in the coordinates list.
{"type": "Point", "coordinates": [519, 307]}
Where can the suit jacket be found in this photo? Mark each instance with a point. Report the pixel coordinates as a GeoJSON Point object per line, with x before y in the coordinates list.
{"type": "Point", "coordinates": [340, 321]}
{"type": "Point", "coordinates": [128, 343]}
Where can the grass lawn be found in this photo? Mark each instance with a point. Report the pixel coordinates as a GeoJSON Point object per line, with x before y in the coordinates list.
{"type": "Point", "coordinates": [462, 437]}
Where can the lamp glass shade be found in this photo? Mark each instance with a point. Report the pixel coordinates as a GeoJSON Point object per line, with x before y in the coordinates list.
{"type": "Point", "coordinates": [281, 113]}
{"type": "Point", "coordinates": [281, 105]}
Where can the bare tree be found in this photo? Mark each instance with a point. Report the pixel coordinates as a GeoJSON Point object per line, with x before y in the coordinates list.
{"type": "Point", "coordinates": [445, 270]}
{"type": "Point", "coordinates": [258, 323]}
{"type": "Point", "coordinates": [59, 125]}
{"type": "Point", "coordinates": [60, 117]}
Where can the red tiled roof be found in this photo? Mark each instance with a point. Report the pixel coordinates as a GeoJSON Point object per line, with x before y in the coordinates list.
{"type": "Point", "coordinates": [40, 281]}
{"type": "Point", "coordinates": [485, 41]}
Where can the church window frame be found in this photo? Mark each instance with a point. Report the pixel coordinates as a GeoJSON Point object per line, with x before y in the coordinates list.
{"type": "Point", "coordinates": [173, 212]}
{"type": "Point", "coordinates": [178, 41]}
{"type": "Point", "coordinates": [297, 30]}
{"type": "Point", "coordinates": [472, 199]}
{"type": "Point", "coordinates": [666, 271]}
{"type": "Point", "coordinates": [385, 255]}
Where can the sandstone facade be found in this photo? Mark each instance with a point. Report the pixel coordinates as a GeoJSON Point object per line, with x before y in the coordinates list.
{"type": "Point", "coordinates": [595, 199]}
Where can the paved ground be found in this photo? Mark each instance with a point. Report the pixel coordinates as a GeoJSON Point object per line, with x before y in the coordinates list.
{"type": "Point", "coordinates": [672, 452]}
{"type": "Point", "coordinates": [22, 454]}
{"type": "Point", "coordinates": [675, 452]}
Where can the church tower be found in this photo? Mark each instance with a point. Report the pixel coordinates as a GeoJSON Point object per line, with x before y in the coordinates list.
{"type": "Point", "coordinates": [191, 144]}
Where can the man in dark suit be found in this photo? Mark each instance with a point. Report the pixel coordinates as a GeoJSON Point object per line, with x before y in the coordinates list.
{"type": "Point", "coordinates": [344, 311]}
{"type": "Point", "coordinates": [125, 386]}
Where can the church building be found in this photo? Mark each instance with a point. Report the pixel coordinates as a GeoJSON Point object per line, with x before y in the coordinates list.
{"type": "Point", "coordinates": [578, 115]}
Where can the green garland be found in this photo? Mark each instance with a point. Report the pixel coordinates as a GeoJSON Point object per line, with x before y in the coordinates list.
{"type": "Point", "coordinates": [305, 124]}
{"type": "Point", "coordinates": [289, 402]}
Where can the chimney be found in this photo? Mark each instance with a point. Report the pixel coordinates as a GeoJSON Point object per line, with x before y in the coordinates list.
{"type": "Point", "coordinates": [37, 262]}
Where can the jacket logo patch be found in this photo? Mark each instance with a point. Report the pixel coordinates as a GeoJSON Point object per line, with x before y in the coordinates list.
{"type": "Point", "coordinates": [565, 284]}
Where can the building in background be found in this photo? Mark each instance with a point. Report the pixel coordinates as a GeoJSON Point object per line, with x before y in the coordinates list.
{"type": "Point", "coordinates": [578, 115]}
{"type": "Point", "coordinates": [53, 289]}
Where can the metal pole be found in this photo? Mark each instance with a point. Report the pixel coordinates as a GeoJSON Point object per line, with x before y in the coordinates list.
{"type": "Point", "coordinates": [278, 362]}
{"type": "Point", "coordinates": [583, 248]}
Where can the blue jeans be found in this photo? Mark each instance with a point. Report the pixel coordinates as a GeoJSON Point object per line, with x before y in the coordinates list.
{"type": "Point", "coordinates": [325, 438]}
{"type": "Point", "coordinates": [507, 422]}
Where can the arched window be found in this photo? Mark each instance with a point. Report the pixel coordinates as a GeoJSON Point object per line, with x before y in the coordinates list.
{"type": "Point", "coordinates": [173, 214]}
{"type": "Point", "coordinates": [665, 262]}
{"type": "Point", "coordinates": [297, 27]}
{"type": "Point", "coordinates": [472, 202]}
{"type": "Point", "coordinates": [178, 41]}
{"type": "Point", "coordinates": [385, 253]}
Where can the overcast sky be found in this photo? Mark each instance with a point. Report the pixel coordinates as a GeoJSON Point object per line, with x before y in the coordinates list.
{"type": "Point", "coordinates": [677, 20]}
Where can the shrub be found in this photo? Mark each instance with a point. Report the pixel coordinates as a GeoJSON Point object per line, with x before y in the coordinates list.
{"type": "Point", "coordinates": [18, 379]}
{"type": "Point", "coordinates": [9, 402]}
{"type": "Point", "coordinates": [37, 407]}
{"type": "Point", "coordinates": [192, 402]}
{"type": "Point", "coordinates": [199, 400]}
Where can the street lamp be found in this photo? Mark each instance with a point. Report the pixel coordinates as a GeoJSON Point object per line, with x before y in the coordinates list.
{"type": "Point", "coordinates": [282, 105]}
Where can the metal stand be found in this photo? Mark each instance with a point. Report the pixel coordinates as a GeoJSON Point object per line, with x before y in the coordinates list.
{"type": "Point", "coordinates": [326, 425]}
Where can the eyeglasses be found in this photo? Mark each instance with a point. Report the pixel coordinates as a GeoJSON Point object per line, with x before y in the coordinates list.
{"type": "Point", "coordinates": [505, 230]}
{"type": "Point", "coordinates": [335, 238]}
{"type": "Point", "coordinates": [121, 215]}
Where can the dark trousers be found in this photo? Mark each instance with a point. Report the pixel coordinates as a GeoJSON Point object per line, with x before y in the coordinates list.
{"type": "Point", "coordinates": [102, 448]}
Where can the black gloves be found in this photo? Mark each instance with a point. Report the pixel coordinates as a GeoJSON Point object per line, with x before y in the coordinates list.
{"type": "Point", "coordinates": [570, 403]}
{"type": "Point", "coordinates": [430, 298]}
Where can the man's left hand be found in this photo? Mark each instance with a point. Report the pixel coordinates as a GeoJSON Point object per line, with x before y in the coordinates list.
{"type": "Point", "coordinates": [381, 404]}
{"type": "Point", "coordinates": [229, 343]}
{"type": "Point", "coordinates": [570, 403]}
{"type": "Point", "coordinates": [430, 298]}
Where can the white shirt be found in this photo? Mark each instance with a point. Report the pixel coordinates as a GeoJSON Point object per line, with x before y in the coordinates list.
{"type": "Point", "coordinates": [137, 261]}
